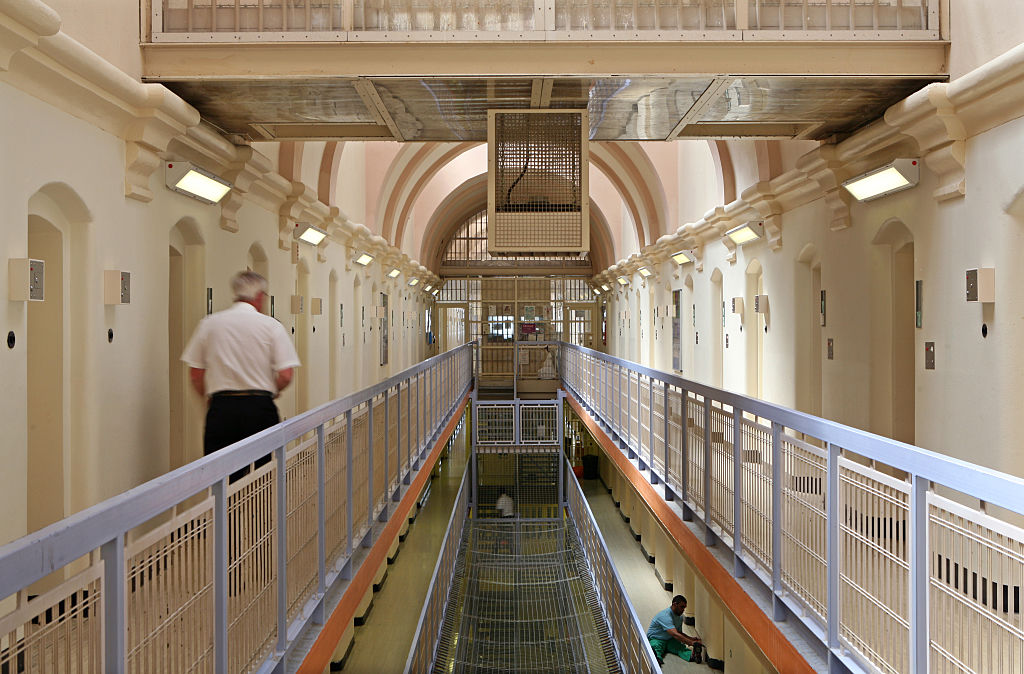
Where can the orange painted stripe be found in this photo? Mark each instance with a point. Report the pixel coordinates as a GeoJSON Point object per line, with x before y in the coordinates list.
{"type": "Point", "coordinates": [775, 646]}
{"type": "Point", "coordinates": [319, 656]}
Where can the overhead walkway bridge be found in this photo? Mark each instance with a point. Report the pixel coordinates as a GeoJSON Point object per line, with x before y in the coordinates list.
{"type": "Point", "coordinates": [878, 555]}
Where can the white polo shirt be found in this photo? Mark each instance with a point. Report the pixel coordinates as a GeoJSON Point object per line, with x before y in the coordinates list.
{"type": "Point", "coordinates": [240, 349]}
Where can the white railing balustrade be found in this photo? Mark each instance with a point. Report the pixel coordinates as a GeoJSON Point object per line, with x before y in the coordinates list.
{"type": "Point", "coordinates": [856, 535]}
{"type": "Point", "coordinates": [193, 573]}
{"type": "Point", "coordinates": [405, 20]}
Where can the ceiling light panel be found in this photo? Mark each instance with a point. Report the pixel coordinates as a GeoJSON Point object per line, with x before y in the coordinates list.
{"type": "Point", "coordinates": [364, 259]}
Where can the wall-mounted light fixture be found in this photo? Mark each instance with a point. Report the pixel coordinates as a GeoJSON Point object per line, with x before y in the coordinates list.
{"type": "Point", "coordinates": [414, 281]}
{"type": "Point", "coordinates": [605, 287]}
{"type": "Point", "coordinates": [746, 232]}
{"type": "Point", "coordinates": [623, 281]}
{"type": "Point", "coordinates": [683, 257]}
{"type": "Point", "coordinates": [597, 291]}
{"type": "Point", "coordinates": [364, 259]}
{"type": "Point", "coordinates": [186, 178]}
{"type": "Point", "coordinates": [899, 174]}
{"type": "Point", "coordinates": [644, 271]}
{"type": "Point", "coordinates": [427, 289]}
{"type": "Point", "coordinates": [308, 233]}
{"type": "Point", "coordinates": [394, 273]}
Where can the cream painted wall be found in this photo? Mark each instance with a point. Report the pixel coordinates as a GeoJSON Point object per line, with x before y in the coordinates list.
{"type": "Point", "coordinates": [697, 190]}
{"type": "Point", "coordinates": [471, 163]}
{"type": "Point", "coordinates": [607, 198]}
{"type": "Point", "coordinates": [120, 438]}
{"type": "Point", "coordinates": [982, 31]}
{"type": "Point", "coordinates": [968, 406]}
{"type": "Point", "coordinates": [312, 157]}
{"type": "Point", "coordinates": [108, 27]}
{"type": "Point", "coordinates": [791, 150]}
{"type": "Point", "coordinates": [351, 187]}
{"type": "Point", "coordinates": [375, 171]}
{"type": "Point", "coordinates": [744, 163]}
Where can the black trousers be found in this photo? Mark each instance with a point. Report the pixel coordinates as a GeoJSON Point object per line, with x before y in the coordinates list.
{"type": "Point", "coordinates": [231, 418]}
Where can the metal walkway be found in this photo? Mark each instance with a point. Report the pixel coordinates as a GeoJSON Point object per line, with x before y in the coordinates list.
{"type": "Point", "coordinates": [523, 600]}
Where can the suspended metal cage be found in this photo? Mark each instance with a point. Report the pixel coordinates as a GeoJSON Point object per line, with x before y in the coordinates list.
{"type": "Point", "coordinates": [537, 181]}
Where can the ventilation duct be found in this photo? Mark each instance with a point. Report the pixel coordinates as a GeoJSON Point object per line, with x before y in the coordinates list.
{"type": "Point", "coordinates": [538, 198]}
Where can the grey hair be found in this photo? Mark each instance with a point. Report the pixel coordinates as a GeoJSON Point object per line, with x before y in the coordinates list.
{"type": "Point", "coordinates": [247, 285]}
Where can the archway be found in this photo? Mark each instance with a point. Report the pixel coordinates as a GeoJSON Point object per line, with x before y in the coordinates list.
{"type": "Point", "coordinates": [687, 326]}
{"type": "Point", "coordinates": [357, 333]}
{"type": "Point", "coordinates": [809, 316]}
{"type": "Point", "coordinates": [893, 363]}
{"type": "Point", "coordinates": [256, 260]}
{"type": "Point", "coordinates": [58, 389]}
{"type": "Point", "coordinates": [717, 336]}
{"type": "Point", "coordinates": [44, 343]}
{"type": "Point", "coordinates": [185, 308]}
{"type": "Point", "coordinates": [756, 320]}
{"type": "Point", "coordinates": [302, 329]}
{"type": "Point", "coordinates": [334, 313]}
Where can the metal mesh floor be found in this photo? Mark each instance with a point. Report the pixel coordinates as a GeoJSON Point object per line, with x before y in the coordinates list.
{"type": "Point", "coordinates": [523, 600]}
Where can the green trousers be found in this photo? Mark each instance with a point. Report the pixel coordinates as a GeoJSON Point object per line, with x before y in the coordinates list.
{"type": "Point", "coordinates": [660, 647]}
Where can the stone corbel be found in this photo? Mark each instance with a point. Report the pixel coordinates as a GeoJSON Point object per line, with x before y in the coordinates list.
{"type": "Point", "coordinates": [929, 117]}
{"type": "Point", "coordinates": [761, 198]}
{"type": "Point", "coordinates": [164, 118]}
{"type": "Point", "coordinates": [249, 167]}
{"type": "Point", "coordinates": [21, 26]}
{"type": "Point", "coordinates": [698, 252]}
{"type": "Point", "coordinates": [298, 200]}
{"type": "Point", "coordinates": [719, 222]}
{"type": "Point", "coordinates": [824, 167]}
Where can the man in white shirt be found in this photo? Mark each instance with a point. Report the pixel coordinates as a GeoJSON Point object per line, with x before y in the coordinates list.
{"type": "Point", "coordinates": [240, 360]}
{"type": "Point", "coordinates": [505, 505]}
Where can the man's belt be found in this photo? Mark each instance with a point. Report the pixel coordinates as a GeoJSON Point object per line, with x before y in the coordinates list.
{"type": "Point", "coordinates": [243, 394]}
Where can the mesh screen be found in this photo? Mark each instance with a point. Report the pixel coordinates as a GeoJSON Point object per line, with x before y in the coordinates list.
{"type": "Point", "coordinates": [530, 479]}
{"type": "Point", "coordinates": [539, 182]}
{"type": "Point", "coordinates": [495, 424]}
{"type": "Point", "coordinates": [539, 424]}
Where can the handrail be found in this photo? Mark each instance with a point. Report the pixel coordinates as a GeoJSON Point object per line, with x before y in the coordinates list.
{"type": "Point", "coordinates": [627, 632]}
{"type": "Point", "coordinates": [435, 606]}
{"type": "Point", "coordinates": [875, 566]}
{"type": "Point", "coordinates": [287, 501]}
{"type": "Point", "coordinates": [983, 483]}
{"type": "Point", "coordinates": [360, 20]}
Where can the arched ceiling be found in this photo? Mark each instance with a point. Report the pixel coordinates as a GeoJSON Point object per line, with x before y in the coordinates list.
{"type": "Point", "coordinates": [470, 198]}
{"type": "Point", "coordinates": [626, 166]}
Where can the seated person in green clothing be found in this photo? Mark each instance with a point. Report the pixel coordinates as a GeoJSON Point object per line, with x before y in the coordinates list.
{"type": "Point", "coordinates": [666, 636]}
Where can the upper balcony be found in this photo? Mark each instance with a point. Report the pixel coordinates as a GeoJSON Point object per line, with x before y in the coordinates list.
{"type": "Point", "coordinates": [428, 70]}
{"type": "Point", "coordinates": [542, 20]}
